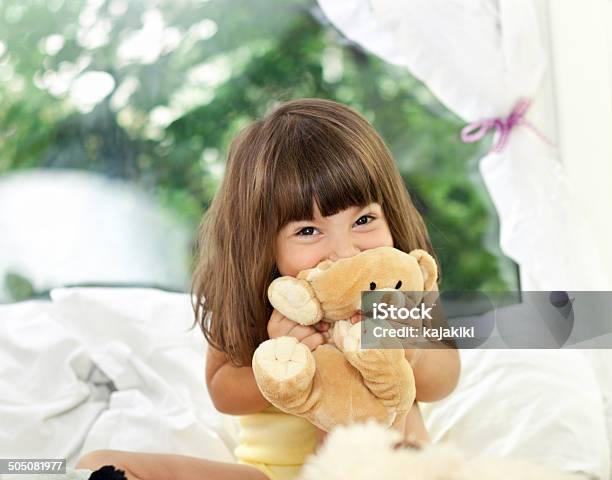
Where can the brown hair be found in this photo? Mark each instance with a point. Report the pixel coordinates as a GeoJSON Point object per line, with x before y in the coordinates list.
{"type": "Point", "coordinates": [303, 150]}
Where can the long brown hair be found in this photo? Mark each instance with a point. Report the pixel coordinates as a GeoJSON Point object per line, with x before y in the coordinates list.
{"type": "Point", "coordinates": [304, 150]}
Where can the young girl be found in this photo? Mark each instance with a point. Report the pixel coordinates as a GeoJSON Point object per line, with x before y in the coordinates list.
{"type": "Point", "coordinates": [310, 181]}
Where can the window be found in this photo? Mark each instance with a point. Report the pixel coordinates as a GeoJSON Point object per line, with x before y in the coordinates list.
{"type": "Point", "coordinates": [147, 95]}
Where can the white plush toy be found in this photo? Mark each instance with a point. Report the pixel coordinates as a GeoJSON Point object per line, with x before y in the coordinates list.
{"type": "Point", "coordinates": [366, 451]}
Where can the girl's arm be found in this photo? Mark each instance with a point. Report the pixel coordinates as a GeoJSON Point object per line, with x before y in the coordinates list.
{"type": "Point", "coordinates": [233, 390]}
{"type": "Point", "coordinates": [436, 371]}
{"type": "Point", "coordinates": [436, 366]}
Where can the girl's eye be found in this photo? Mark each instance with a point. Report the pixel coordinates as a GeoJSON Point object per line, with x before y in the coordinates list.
{"type": "Point", "coordinates": [364, 219]}
{"type": "Point", "coordinates": [306, 231]}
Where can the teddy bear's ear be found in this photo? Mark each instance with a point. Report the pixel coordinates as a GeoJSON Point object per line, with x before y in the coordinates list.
{"type": "Point", "coordinates": [429, 268]}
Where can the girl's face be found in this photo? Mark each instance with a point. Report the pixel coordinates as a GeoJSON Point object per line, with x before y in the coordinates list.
{"type": "Point", "coordinates": [301, 245]}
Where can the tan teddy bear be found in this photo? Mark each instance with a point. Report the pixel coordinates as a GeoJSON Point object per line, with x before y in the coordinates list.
{"type": "Point", "coordinates": [340, 383]}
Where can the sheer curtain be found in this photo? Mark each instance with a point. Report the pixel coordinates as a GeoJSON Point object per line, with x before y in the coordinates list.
{"type": "Point", "coordinates": [481, 58]}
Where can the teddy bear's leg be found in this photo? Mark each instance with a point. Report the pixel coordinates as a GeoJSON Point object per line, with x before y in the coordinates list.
{"type": "Point", "coordinates": [385, 372]}
{"type": "Point", "coordinates": [284, 370]}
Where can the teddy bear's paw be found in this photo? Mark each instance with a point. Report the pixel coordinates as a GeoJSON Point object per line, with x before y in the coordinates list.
{"type": "Point", "coordinates": [295, 299]}
{"type": "Point", "coordinates": [284, 358]}
{"type": "Point", "coordinates": [350, 336]}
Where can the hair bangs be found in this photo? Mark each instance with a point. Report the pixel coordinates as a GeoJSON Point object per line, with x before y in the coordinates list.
{"type": "Point", "coordinates": [333, 178]}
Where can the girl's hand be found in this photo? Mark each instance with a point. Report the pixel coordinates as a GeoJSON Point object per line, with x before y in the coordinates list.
{"type": "Point", "coordinates": [312, 336]}
{"type": "Point", "coordinates": [356, 317]}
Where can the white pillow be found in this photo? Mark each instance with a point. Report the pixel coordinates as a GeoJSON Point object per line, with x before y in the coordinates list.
{"type": "Point", "coordinates": [543, 405]}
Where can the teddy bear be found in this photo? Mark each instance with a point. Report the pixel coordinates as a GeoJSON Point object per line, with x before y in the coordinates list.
{"type": "Point", "coordinates": [339, 382]}
{"type": "Point", "coordinates": [367, 450]}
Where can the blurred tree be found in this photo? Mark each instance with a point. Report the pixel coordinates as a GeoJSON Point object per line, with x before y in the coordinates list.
{"type": "Point", "coordinates": [18, 287]}
{"type": "Point", "coordinates": [152, 92]}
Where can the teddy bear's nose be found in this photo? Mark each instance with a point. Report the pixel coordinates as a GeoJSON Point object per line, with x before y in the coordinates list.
{"type": "Point", "coordinates": [393, 297]}
{"type": "Point", "coordinates": [372, 286]}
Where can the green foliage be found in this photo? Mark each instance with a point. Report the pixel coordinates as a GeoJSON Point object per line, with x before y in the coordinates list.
{"type": "Point", "coordinates": [18, 287]}
{"type": "Point", "coordinates": [205, 85]}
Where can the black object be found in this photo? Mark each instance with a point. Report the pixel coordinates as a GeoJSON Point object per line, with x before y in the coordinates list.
{"type": "Point", "coordinates": [559, 299]}
{"type": "Point", "coordinates": [108, 472]}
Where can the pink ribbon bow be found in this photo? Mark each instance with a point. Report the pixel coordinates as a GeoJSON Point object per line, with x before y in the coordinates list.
{"type": "Point", "coordinates": [478, 129]}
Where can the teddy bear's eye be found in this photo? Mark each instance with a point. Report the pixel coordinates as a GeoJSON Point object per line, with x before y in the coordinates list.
{"type": "Point", "coordinates": [398, 285]}
{"type": "Point", "coordinates": [372, 286]}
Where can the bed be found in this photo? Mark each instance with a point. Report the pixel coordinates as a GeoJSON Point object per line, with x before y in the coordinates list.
{"type": "Point", "coordinates": [121, 368]}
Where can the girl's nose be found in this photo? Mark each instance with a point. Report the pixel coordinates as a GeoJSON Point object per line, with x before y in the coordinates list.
{"type": "Point", "coordinates": [343, 250]}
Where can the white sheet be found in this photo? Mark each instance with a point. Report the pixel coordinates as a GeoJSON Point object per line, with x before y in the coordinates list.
{"type": "Point", "coordinates": [601, 360]}
{"type": "Point", "coordinates": [118, 368]}
{"type": "Point", "coordinates": [543, 405]}
{"type": "Point", "coordinates": [46, 407]}
{"type": "Point", "coordinates": [139, 338]}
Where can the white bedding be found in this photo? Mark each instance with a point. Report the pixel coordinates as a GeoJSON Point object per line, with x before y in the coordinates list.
{"type": "Point", "coordinates": [119, 368]}
{"type": "Point", "coordinates": [58, 360]}
{"type": "Point", "coordinates": [542, 405]}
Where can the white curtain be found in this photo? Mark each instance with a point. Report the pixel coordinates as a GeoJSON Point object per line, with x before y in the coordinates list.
{"type": "Point", "coordinates": [480, 58]}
